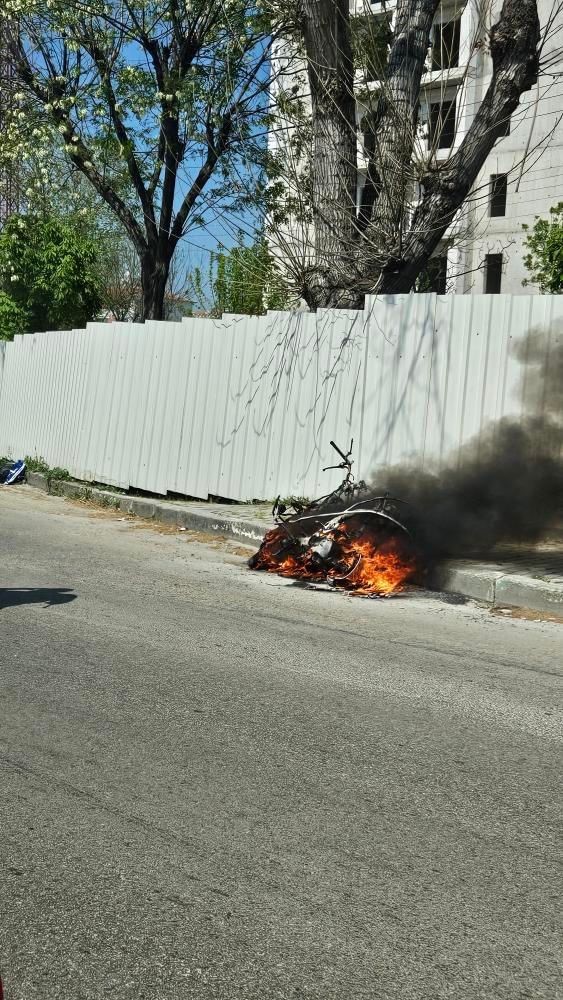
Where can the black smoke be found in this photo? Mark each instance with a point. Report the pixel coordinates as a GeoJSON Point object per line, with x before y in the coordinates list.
{"type": "Point", "coordinates": [504, 487]}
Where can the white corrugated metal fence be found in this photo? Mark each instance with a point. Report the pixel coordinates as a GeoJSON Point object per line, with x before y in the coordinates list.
{"type": "Point", "coordinates": [244, 407]}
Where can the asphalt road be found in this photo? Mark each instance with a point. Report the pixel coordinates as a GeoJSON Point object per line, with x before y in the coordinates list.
{"type": "Point", "coordinates": [216, 784]}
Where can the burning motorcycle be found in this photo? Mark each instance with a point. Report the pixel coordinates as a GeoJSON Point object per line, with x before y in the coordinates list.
{"type": "Point", "coordinates": [349, 539]}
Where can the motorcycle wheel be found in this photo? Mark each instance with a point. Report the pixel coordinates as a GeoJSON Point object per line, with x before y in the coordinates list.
{"type": "Point", "coordinates": [343, 570]}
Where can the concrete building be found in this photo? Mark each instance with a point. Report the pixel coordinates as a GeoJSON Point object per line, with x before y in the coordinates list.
{"type": "Point", "coordinates": [521, 178]}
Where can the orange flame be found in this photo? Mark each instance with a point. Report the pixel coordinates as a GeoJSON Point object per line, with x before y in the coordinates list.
{"type": "Point", "coordinates": [368, 566]}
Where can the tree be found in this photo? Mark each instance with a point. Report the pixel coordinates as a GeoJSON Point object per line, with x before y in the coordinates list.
{"type": "Point", "coordinates": [409, 199]}
{"type": "Point", "coordinates": [13, 318]}
{"type": "Point", "coordinates": [120, 280]}
{"type": "Point", "coordinates": [49, 274]}
{"type": "Point", "coordinates": [544, 259]}
{"type": "Point", "coordinates": [151, 100]}
{"type": "Point", "coordinates": [52, 190]}
{"type": "Point", "coordinates": [243, 280]}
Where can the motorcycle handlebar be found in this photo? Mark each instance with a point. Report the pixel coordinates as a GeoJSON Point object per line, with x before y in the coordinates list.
{"type": "Point", "coordinates": [346, 458]}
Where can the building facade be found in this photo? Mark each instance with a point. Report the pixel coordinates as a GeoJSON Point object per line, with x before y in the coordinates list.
{"type": "Point", "coordinates": [521, 179]}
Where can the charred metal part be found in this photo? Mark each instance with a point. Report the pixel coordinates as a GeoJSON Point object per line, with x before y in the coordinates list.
{"type": "Point", "coordinates": [347, 538]}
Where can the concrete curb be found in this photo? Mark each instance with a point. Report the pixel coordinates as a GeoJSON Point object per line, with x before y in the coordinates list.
{"type": "Point", "coordinates": [498, 588]}
{"type": "Point", "coordinates": [239, 529]}
{"type": "Point", "coordinates": [513, 590]}
{"type": "Point", "coordinates": [481, 582]}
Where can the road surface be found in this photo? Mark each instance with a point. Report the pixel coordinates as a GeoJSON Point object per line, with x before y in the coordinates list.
{"type": "Point", "coordinates": [216, 784]}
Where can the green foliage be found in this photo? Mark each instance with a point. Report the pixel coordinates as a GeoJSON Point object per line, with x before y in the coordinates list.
{"type": "Point", "coordinates": [37, 464]}
{"type": "Point", "coordinates": [13, 318]}
{"type": "Point", "coordinates": [105, 501]}
{"type": "Point", "coordinates": [58, 473]}
{"type": "Point", "coordinates": [151, 102]}
{"type": "Point", "coordinates": [50, 271]}
{"type": "Point", "coordinates": [544, 259]}
{"type": "Point", "coordinates": [53, 475]}
{"type": "Point", "coordinates": [245, 280]}
{"type": "Point", "coordinates": [292, 501]}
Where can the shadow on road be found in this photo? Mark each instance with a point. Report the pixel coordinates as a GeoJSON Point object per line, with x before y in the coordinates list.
{"type": "Point", "coordinates": [48, 596]}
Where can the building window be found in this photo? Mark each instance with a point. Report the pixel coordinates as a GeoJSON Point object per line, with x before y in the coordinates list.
{"type": "Point", "coordinates": [493, 273]}
{"type": "Point", "coordinates": [435, 276]}
{"type": "Point", "coordinates": [497, 197]}
{"type": "Point", "coordinates": [441, 127]}
{"type": "Point", "coordinates": [445, 45]}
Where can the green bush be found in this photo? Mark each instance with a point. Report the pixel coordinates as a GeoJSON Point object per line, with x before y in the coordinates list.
{"type": "Point", "coordinates": [49, 274]}
{"type": "Point", "coordinates": [544, 260]}
{"type": "Point", "coordinates": [13, 318]}
{"type": "Point", "coordinates": [52, 475]}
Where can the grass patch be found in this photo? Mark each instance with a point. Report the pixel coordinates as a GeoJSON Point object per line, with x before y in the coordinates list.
{"type": "Point", "coordinates": [37, 465]}
{"type": "Point", "coordinates": [53, 475]}
{"type": "Point", "coordinates": [105, 501]}
{"type": "Point", "coordinates": [294, 501]}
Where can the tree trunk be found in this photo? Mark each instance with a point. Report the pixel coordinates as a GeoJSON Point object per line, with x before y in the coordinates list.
{"type": "Point", "coordinates": [514, 43]}
{"type": "Point", "coordinates": [392, 135]}
{"type": "Point", "coordinates": [154, 276]}
{"type": "Point", "coordinates": [328, 45]}
{"type": "Point", "coordinates": [377, 252]}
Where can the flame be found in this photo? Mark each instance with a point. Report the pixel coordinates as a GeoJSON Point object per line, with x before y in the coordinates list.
{"type": "Point", "coordinates": [275, 557]}
{"type": "Point", "coordinates": [367, 565]}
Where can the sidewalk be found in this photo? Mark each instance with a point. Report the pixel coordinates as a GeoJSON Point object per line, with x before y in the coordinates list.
{"type": "Point", "coordinates": [518, 576]}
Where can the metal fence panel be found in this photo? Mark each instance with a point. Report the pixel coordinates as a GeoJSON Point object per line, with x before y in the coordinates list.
{"type": "Point", "coordinates": [2, 357]}
{"type": "Point", "coordinates": [244, 407]}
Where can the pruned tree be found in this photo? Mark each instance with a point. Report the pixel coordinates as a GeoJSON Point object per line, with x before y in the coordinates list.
{"type": "Point", "coordinates": [155, 102]}
{"type": "Point", "coordinates": [544, 257]}
{"type": "Point", "coordinates": [410, 197]}
{"type": "Point", "coordinates": [121, 292]}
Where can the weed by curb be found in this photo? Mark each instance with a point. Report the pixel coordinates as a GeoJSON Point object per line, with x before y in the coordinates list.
{"type": "Point", "coordinates": [85, 495]}
{"type": "Point", "coordinates": [53, 475]}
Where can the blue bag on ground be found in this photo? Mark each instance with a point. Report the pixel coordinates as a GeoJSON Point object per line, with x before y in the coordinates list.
{"type": "Point", "coordinates": [13, 473]}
